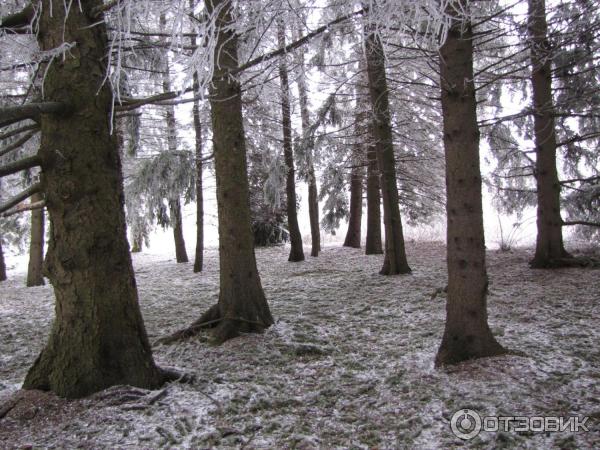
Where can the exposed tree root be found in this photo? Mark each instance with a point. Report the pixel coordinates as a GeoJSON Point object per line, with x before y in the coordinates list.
{"type": "Point", "coordinates": [224, 328]}
{"type": "Point", "coordinates": [566, 262]}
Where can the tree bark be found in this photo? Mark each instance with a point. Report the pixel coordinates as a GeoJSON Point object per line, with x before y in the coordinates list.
{"type": "Point", "coordinates": [373, 241]}
{"type": "Point", "coordinates": [98, 337]}
{"type": "Point", "coordinates": [35, 276]}
{"type": "Point", "coordinates": [395, 261]}
{"type": "Point", "coordinates": [313, 199]}
{"type": "Point", "coordinates": [242, 305]}
{"type": "Point", "coordinates": [467, 334]}
{"type": "Point", "coordinates": [3, 276]}
{"type": "Point", "coordinates": [176, 224]}
{"type": "Point", "coordinates": [296, 250]}
{"type": "Point", "coordinates": [138, 243]}
{"type": "Point", "coordinates": [549, 249]}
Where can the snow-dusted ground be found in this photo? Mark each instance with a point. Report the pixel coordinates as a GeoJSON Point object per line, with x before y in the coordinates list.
{"type": "Point", "coordinates": [349, 363]}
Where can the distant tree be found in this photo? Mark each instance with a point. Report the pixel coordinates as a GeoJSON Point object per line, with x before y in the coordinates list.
{"type": "Point", "coordinates": [296, 250]}
{"type": "Point", "coordinates": [35, 276]}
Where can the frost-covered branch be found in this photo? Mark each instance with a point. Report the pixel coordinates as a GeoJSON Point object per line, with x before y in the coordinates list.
{"type": "Point", "coordinates": [19, 22]}
{"type": "Point", "coordinates": [25, 207]}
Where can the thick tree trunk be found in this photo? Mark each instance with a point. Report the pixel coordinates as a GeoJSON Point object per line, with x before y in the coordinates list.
{"type": "Point", "coordinates": [199, 256]}
{"type": "Point", "coordinates": [395, 261]}
{"type": "Point", "coordinates": [467, 334]}
{"type": "Point", "coordinates": [296, 251]}
{"type": "Point", "coordinates": [373, 241]}
{"type": "Point", "coordinates": [549, 249]}
{"type": "Point", "coordinates": [313, 199]}
{"type": "Point", "coordinates": [36, 245]}
{"type": "Point", "coordinates": [242, 305]}
{"type": "Point", "coordinates": [3, 276]}
{"type": "Point", "coordinates": [98, 337]}
{"type": "Point", "coordinates": [176, 224]}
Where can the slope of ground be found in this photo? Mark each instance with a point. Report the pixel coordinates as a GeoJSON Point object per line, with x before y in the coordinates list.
{"type": "Point", "coordinates": [348, 364]}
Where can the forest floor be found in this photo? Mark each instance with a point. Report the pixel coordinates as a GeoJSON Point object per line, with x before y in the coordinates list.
{"type": "Point", "coordinates": [348, 364]}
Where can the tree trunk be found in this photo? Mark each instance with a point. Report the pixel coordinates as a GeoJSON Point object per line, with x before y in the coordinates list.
{"type": "Point", "coordinates": [549, 247]}
{"type": "Point", "coordinates": [199, 257]}
{"type": "Point", "coordinates": [36, 245]}
{"type": "Point", "coordinates": [466, 334]}
{"type": "Point", "coordinates": [98, 337]}
{"type": "Point", "coordinates": [373, 242]}
{"type": "Point", "coordinates": [242, 305]}
{"type": "Point", "coordinates": [313, 199]}
{"type": "Point", "coordinates": [395, 261]}
{"type": "Point", "coordinates": [356, 176]}
{"type": "Point", "coordinates": [138, 243]}
{"type": "Point", "coordinates": [296, 250]}
{"type": "Point", "coordinates": [3, 276]}
{"type": "Point", "coordinates": [176, 223]}
{"type": "Point", "coordinates": [174, 203]}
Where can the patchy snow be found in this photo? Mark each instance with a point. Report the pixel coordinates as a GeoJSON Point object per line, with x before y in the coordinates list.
{"type": "Point", "coordinates": [348, 364]}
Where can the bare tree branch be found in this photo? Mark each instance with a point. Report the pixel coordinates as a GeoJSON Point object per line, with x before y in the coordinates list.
{"type": "Point", "coordinates": [17, 144]}
{"type": "Point", "coordinates": [25, 207]}
{"type": "Point", "coordinates": [16, 131]}
{"type": "Point", "coordinates": [580, 222]}
{"type": "Point", "coordinates": [17, 166]}
{"type": "Point", "coordinates": [12, 114]}
{"type": "Point", "coordinates": [37, 187]}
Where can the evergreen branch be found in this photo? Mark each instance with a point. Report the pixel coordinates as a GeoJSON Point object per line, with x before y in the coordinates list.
{"type": "Point", "coordinates": [580, 222]}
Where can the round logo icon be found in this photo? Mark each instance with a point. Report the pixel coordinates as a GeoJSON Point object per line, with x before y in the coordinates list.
{"type": "Point", "coordinates": [465, 424]}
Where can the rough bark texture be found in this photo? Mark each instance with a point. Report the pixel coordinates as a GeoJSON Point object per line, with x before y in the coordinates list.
{"type": "Point", "coordinates": [296, 250]}
{"type": "Point", "coordinates": [2, 263]}
{"type": "Point", "coordinates": [373, 241]}
{"type": "Point", "coordinates": [242, 305]}
{"type": "Point", "coordinates": [199, 256]}
{"type": "Point", "coordinates": [313, 200]}
{"type": "Point", "coordinates": [395, 261]}
{"type": "Point", "coordinates": [35, 276]}
{"type": "Point", "coordinates": [549, 249]}
{"type": "Point", "coordinates": [466, 334]}
{"type": "Point", "coordinates": [98, 337]}
{"type": "Point", "coordinates": [176, 224]}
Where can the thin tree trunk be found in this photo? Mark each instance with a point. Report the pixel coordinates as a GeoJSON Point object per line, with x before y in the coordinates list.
{"type": "Point", "coordinates": [467, 334]}
{"type": "Point", "coordinates": [356, 177]}
{"type": "Point", "coordinates": [296, 250]}
{"type": "Point", "coordinates": [138, 242]}
{"type": "Point", "coordinates": [313, 200]}
{"type": "Point", "coordinates": [373, 241]}
{"type": "Point", "coordinates": [549, 249]}
{"type": "Point", "coordinates": [35, 276]}
{"type": "Point", "coordinates": [3, 276]}
{"type": "Point", "coordinates": [242, 305]}
{"type": "Point", "coordinates": [199, 256]}
{"type": "Point", "coordinates": [395, 261]}
{"type": "Point", "coordinates": [174, 203]}
{"type": "Point", "coordinates": [98, 338]}
{"type": "Point", "coordinates": [176, 224]}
